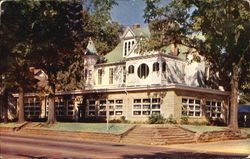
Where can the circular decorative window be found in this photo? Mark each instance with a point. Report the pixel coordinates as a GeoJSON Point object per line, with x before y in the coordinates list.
{"type": "Point", "coordinates": [143, 71]}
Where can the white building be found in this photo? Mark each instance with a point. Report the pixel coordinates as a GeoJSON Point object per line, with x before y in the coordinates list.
{"type": "Point", "coordinates": [137, 85]}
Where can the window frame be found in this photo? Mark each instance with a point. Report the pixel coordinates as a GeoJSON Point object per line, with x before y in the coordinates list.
{"type": "Point", "coordinates": [156, 66]}
{"type": "Point", "coordinates": [131, 69]}
{"type": "Point", "coordinates": [145, 105]}
{"type": "Point", "coordinates": [111, 75]}
{"type": "Point", "coordinates": [143, 71]}
{"type": "Point", "coordinates": [191, 106]}
{"type": "Point", "coordinates": [164, 66]}
{"type": "Point", "coordinates": [100, 74]}
{"type": "Point", "coordinates": [214, 108]}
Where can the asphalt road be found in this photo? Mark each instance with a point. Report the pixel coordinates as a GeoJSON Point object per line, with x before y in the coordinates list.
{"type": "Point", "coordinates": [24, 146]}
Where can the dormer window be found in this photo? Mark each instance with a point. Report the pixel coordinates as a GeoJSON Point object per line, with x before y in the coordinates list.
{"type": "Point", "coordinates": [128, 45]}
{"type": "Point", "coordinates": [125, 49]}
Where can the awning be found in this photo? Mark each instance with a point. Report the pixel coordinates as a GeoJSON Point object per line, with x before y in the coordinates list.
{"type": "Point", "coordinates": [244, 109]}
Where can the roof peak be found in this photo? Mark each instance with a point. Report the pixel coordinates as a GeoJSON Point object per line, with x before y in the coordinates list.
{"type": "Point", "coordinates": [91, 49]}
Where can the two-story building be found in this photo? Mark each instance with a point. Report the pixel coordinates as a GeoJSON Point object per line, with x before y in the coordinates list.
{"type": "Point", "coordinates": [134, 85]}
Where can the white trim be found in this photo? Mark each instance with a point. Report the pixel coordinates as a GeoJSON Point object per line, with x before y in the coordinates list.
{"type": "Point", "coordinates": [126, 31]}
{"type": "Point", "coordinates": [140, 88]}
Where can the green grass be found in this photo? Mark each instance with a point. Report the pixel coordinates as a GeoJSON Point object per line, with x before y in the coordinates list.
{"type": "Point", "coordinates": [202, 128]}
{"type": "Point", "coordinates": [246, 131]}
{"type": "Point", "coordinates": [11, 124]}
{"type": "Point", "coordinates": [89, 127]}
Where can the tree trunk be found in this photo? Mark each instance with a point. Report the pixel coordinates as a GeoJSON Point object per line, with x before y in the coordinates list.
{"type": "Point", "coordinates": [5, 105]}
{"type": "Point", "coordinates": [20, 106]}
{"type": "Point", "coordinates": [51, 111]}
{"type": "Point", "coordinates": [233, 121]}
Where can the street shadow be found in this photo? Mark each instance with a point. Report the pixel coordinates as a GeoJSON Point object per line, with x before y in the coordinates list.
{"type": "Point", "coordinates": [32, 157]}
{"type": "Point", "coordinates": [118, 145]}
{"type": "Point", "coordinates": [180, 155]}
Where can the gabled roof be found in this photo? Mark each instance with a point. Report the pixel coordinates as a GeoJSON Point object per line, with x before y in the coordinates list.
{"type": "Point", "coordinates": [116, 54]}
{"type": "Point", "coordinates": [182, 51]}
{"type": "Point", "coordinates": [142, 31]}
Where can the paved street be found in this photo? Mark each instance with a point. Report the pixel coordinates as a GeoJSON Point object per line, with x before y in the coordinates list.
{"type": "Point", "coordinates": [20, 146]}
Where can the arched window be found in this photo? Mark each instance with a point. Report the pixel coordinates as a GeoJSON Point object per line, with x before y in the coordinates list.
{"type": "Point", "coordinates": [131, 69]}
{"type": "Point", "coordinates": [156, 66]}
{"type": "Point", "coordinates": [164, 66]}
{"type": "Point", "coordinates": [143, 70]}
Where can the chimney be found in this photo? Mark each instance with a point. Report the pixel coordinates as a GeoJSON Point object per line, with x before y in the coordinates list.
{"type": "Point", "coordinates": [174, 49]}
{"type": "Point", "coordinates": [134, 26]}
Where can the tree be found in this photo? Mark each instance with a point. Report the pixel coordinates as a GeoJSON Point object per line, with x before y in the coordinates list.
{"type": "Point", "coordinates": [52, 36]}
{"type": "Point", "coordinates": [226, 43]}
{"type": "Point", "coordinates": [97, 25]}
{"type": "Point", "coordinates": [102, 29]}
{"type": "Point", "coordinates": [15, 48]}
{"type": "Point", "coordinates": [60, 37]}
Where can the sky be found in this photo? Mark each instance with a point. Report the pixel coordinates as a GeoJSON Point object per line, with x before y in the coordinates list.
{"type": "Point", "coordinates": [129, 12]}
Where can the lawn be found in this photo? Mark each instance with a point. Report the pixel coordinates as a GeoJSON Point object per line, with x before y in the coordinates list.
{"type": "Point", "coordinates": [202, 128]}
{"type": "Point", "coordinates": [89, 127]}
{"type": "Point", "coordinates": [246, 130]}
{"type": "Point", "coordinates": [11, 124]}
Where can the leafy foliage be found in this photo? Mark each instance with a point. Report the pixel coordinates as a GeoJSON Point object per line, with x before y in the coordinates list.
{"type": "Point", "coordinates": [225, 43]}
{"type": "Point", "coordinates": [156, 119]}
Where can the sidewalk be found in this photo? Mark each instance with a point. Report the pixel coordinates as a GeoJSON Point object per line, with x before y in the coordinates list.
{"type": "Point", "coordinates": [222, 147]}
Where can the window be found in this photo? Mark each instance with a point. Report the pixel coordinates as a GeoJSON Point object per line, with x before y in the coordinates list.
{"type": "Point", "coordinates": [146, 106]}
{"type": "Point", "coordinates": [143, 71]}
{"type": "Point", "coordinates": [85, 73]}
{"type": "Point", "coordinates": [128, 46]}
{"type": "Point", "coordinates": [111, 75]}
{"type": "Point", "coordinates": [156, 66]}
{"type": "Point", "coordinates": [131, 69]}
{"type": "Point", "coordinates": [70, 105]}
{"type": "Point", "coordinates": [164, 66]}
{"type": "Point", "coordinates": [124, 74]}
{"type": "Point", "coordinates": [60, 109]}
{"type": "Point", "coordinates": [113, 106]}
{"type": "Point", "coordinates": [100, 76]}
{"type": "Point", "coordinates": [32, 106]}
{"type": "Point", "coordinates": [91, 107]}
{"type": "Point", "coordinates": [133, 42]}
{"type": "Point", "coordinates": [102, 107]}
{"type": "Point", "coordinates": [213, 109]}
{"type": "Point", "coordinates": [191, 107]}
{"type": "Point", "coordinates": [125, 49]}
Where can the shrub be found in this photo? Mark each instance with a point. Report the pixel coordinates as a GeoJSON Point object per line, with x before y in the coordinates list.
{"type": "Point", "coordinates": [198, 123]}
{"type": "Point", "coordinates": [171, 120]}
{"type": "Point", "coordinates": [217, 122]}
{"type": "Point", "coordinates": [121, 120]}
{"type": "Point", "coordinates": [156, 119]}
{"type": "Point", "coordinates": [184, 120]}
{"type": "Point", "coordinates": [115, 121]}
